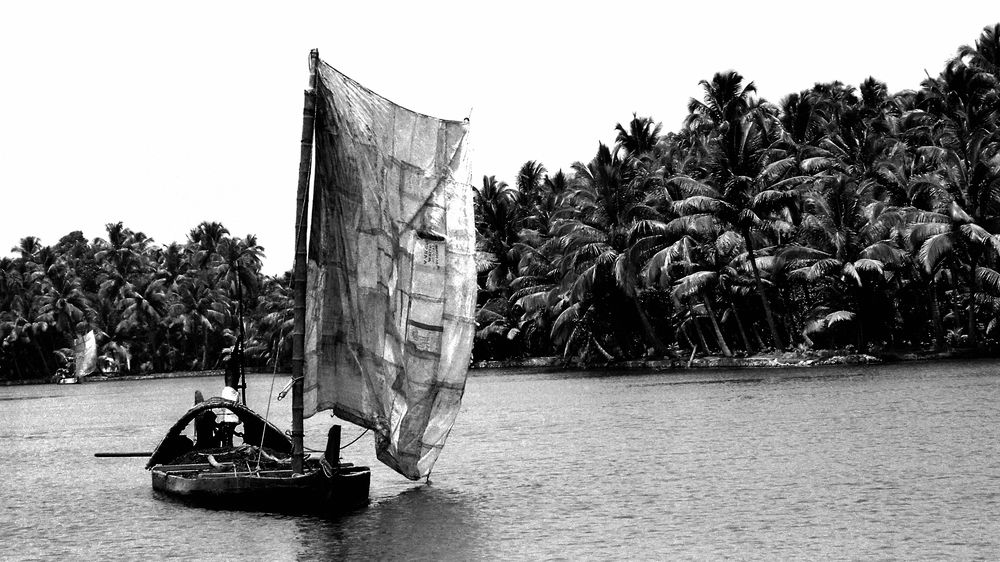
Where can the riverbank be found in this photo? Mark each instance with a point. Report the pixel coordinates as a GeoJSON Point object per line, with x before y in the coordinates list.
{"type": "Point", "coordinates": [105, 378]}
{"type": "Point", "coordinates": [791, 359]}
{"type": "Point", "coordinates": [759, 361]}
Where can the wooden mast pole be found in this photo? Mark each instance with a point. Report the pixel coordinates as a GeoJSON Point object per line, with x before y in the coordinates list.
{"type": "Point", "coordinates": [299, 268]}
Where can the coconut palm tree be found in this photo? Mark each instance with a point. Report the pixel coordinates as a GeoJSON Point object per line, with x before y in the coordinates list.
{"type": "Point", "coordinates": [204, 240]}
{"type": "Point", "coordinates": [954, 240]}
{"type": "Point", "coordinates": [753, 191]}
{"type": "Point", "coordinates": [985, 55]}
{"type": "Point", "coordinates": [63, 303]}
{"type": "Point", "coordinates": [725, 100]}
{"type": "Point", "coordinates": [200, 310]}
{"type": "Point", "coordinates": [594, 241]}
{"type": "Point", "coordinates": [641, 138]}
{"type": "Point", "coordinates": [145, 306]}
{"type": "Point", "coordinates": [499, 216]}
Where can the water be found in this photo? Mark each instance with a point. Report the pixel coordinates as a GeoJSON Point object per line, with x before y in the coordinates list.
{"type": "Point", "coordinates": [848, 462]}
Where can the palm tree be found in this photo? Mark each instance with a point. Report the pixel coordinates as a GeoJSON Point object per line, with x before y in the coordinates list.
{"type": "Point", "coordinates": [498, 220]}
{"type": "Point", "coordinates": [755, 196]}
{"type": "Point", "coordinates": [204, 240]}
{"type": "Point", "coordinates": [145, 305]}
{"type": "Point", "coordinates": [985, 56]}
{"type": "Point", "coordinates": [640, 138]}
{"type": "Point", "coordinates": [595, 240]}
{"type": "Point", "coordinates": [726, 100]}
{"type": "Point", "coordinates": [275, 319]}
{"type": "Point", "coordinates": [697, 286]}
{"type": "Point", "coordinates": [954, 239]}
{"type": "Point", "coordinates": [28, 247]}
{"type": "Point", "coordinates": [239, 268]}
{"type": "Point", "coordinates": [62, 303]}
{"type": "Point", "coordinates": [200, 309]}
{"type": "Point", "coordinates": [529, 185]}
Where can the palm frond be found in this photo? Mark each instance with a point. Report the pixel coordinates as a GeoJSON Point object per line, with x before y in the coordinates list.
{"type": "Point", "coordinates": [869, 266]}
{"type": "Point", "coordinates": [934, 249]}
{"type": "Point", "coordinates": [694, 283]}
{"type": "Point", "coordinates": [988, 279]}
{"type": "Point", "coordinates": [839, 316]}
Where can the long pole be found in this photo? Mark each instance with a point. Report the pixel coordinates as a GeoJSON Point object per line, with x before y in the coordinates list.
{"type": "Point", "coordinates": [242, 336]}
{"type": "Point", "coordinates": [299, 269]}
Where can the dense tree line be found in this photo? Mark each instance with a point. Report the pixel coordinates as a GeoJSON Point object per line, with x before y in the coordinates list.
{"type": "Point", "coordinates": [837, 217]}
{"type": "Point", "coordinates": [152, 308]}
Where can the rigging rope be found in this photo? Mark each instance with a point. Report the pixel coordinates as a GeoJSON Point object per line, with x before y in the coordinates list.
{"type": "Point", "coordinates": [267, 412]}
{"type": "Point", "coordinates": [355, 439]}
{"type": "Point", "coordinates": [288, 432]}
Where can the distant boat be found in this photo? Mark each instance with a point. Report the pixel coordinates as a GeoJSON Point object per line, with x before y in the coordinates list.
{"type": "Point", "coordinates": [84, 360]}
{"type": "Point", "coordinates": [389, 292]}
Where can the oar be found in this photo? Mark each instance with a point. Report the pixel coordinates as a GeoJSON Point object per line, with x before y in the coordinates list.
{"type": "Point", "coordinates": [126, 454]}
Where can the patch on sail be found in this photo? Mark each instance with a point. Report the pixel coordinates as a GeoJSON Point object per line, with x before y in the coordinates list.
{"type": "Point", "coordinates": [391, 287]}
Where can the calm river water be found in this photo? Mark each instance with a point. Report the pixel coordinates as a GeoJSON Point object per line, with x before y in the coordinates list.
{"type": "Point", "coordinates": [893, 462]}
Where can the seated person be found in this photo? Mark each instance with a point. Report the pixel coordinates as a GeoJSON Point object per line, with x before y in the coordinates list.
{"type": "Point", "coordinates": [227, 420]}
{"type": "Point", "coordinates": [205, 431]}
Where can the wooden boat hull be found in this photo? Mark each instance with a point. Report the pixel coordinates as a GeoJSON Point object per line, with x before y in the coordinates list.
{"type": "Point", "coordinates": [276, 491]}
{"type": "Point", "coordinates": [270, 487]}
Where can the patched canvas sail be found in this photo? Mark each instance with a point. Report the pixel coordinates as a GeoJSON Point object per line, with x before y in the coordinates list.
{"type": "Point", "coordinates": [85, 354]}
{"type": "Point", "coordinates": [391, 284]}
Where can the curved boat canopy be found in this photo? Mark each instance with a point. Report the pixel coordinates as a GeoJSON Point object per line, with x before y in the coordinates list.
{"type": "Point", "coordinates": [256, 430]}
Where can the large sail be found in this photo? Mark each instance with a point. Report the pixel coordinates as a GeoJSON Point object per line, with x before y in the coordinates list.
{"type": "Point", "coordinates": [391, 285]}
{"type": "Point", "coordinates": [85, 354]}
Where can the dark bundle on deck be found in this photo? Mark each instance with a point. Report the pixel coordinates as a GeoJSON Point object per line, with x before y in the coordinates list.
{"type": "Point", "coordinates": [245, 457]}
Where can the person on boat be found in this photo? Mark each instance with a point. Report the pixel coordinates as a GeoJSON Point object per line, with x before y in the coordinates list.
{"type": "Point", "coordinates": [226, 419]}
{"type": "Point", "coordinates": [205, 427]}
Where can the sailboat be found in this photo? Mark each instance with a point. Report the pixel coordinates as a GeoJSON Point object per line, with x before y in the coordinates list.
{"type": "Point", "coordinates": [84, 359]}
{"type": "Point", "coordinates": [384, 295]}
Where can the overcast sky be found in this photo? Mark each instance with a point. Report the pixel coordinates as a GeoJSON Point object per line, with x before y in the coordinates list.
{"type": "Point", "coordinates": [163, 115]}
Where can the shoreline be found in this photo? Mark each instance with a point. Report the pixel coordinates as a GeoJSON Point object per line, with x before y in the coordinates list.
{"type": "Point", "coordinates": [787, 360]}
{"type": "Point", "coordinates": [114, 378]}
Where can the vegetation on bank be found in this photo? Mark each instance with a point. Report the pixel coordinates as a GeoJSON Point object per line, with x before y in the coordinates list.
{"type": "Point", "coordinates": [153, 308]}
{"type": "Point", "coordinates": [837, 217]}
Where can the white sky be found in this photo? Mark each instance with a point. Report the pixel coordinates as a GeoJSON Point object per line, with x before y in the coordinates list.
{"type": "Point", "coordinates": [164, 115]}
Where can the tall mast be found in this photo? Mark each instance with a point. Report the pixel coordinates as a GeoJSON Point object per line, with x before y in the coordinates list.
{"type": "Point", "coordinates": [299, 269]}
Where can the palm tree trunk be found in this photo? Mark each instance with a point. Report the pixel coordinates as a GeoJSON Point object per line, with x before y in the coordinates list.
{"type": "Point", "coordinates": [204, 350]}
{"type": "Point", "coordinates": [862, 343]}
{"type": "Point", "coordinates": [936, 318]}
{"type": "Point", "coordinates": [973, 289]}
{"type": "Point", "coordinates": [700, 333]}
{"type": "Point", "coordinates": [756, 335]}
{"type": "Point", "coordinates": [17, 366]}
{"type": "Point", "coordinates": [153, 347]}
{"type": "Point", "coordinates": [688, 339]}
{"type": "Point", "coordinates": [606, 355]}
{"type": "Point", "coordinates": [715, 326]}
{"type": "Point", "coordinates": [41, 355]}
{"type": "Point", "coordinates": [648, 332]}
{"type": "Point", "coordinates": [760, 291]}
{"type": "Point", "coordinates": [743, 332]}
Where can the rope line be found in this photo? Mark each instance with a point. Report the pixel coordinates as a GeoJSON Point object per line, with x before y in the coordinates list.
{"type": "Point", "coordinates": [267, 413]}
{"type": "Point", "coordinates": [288, 432]}
{"type": "Point", "coordinates": [355, 439]}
